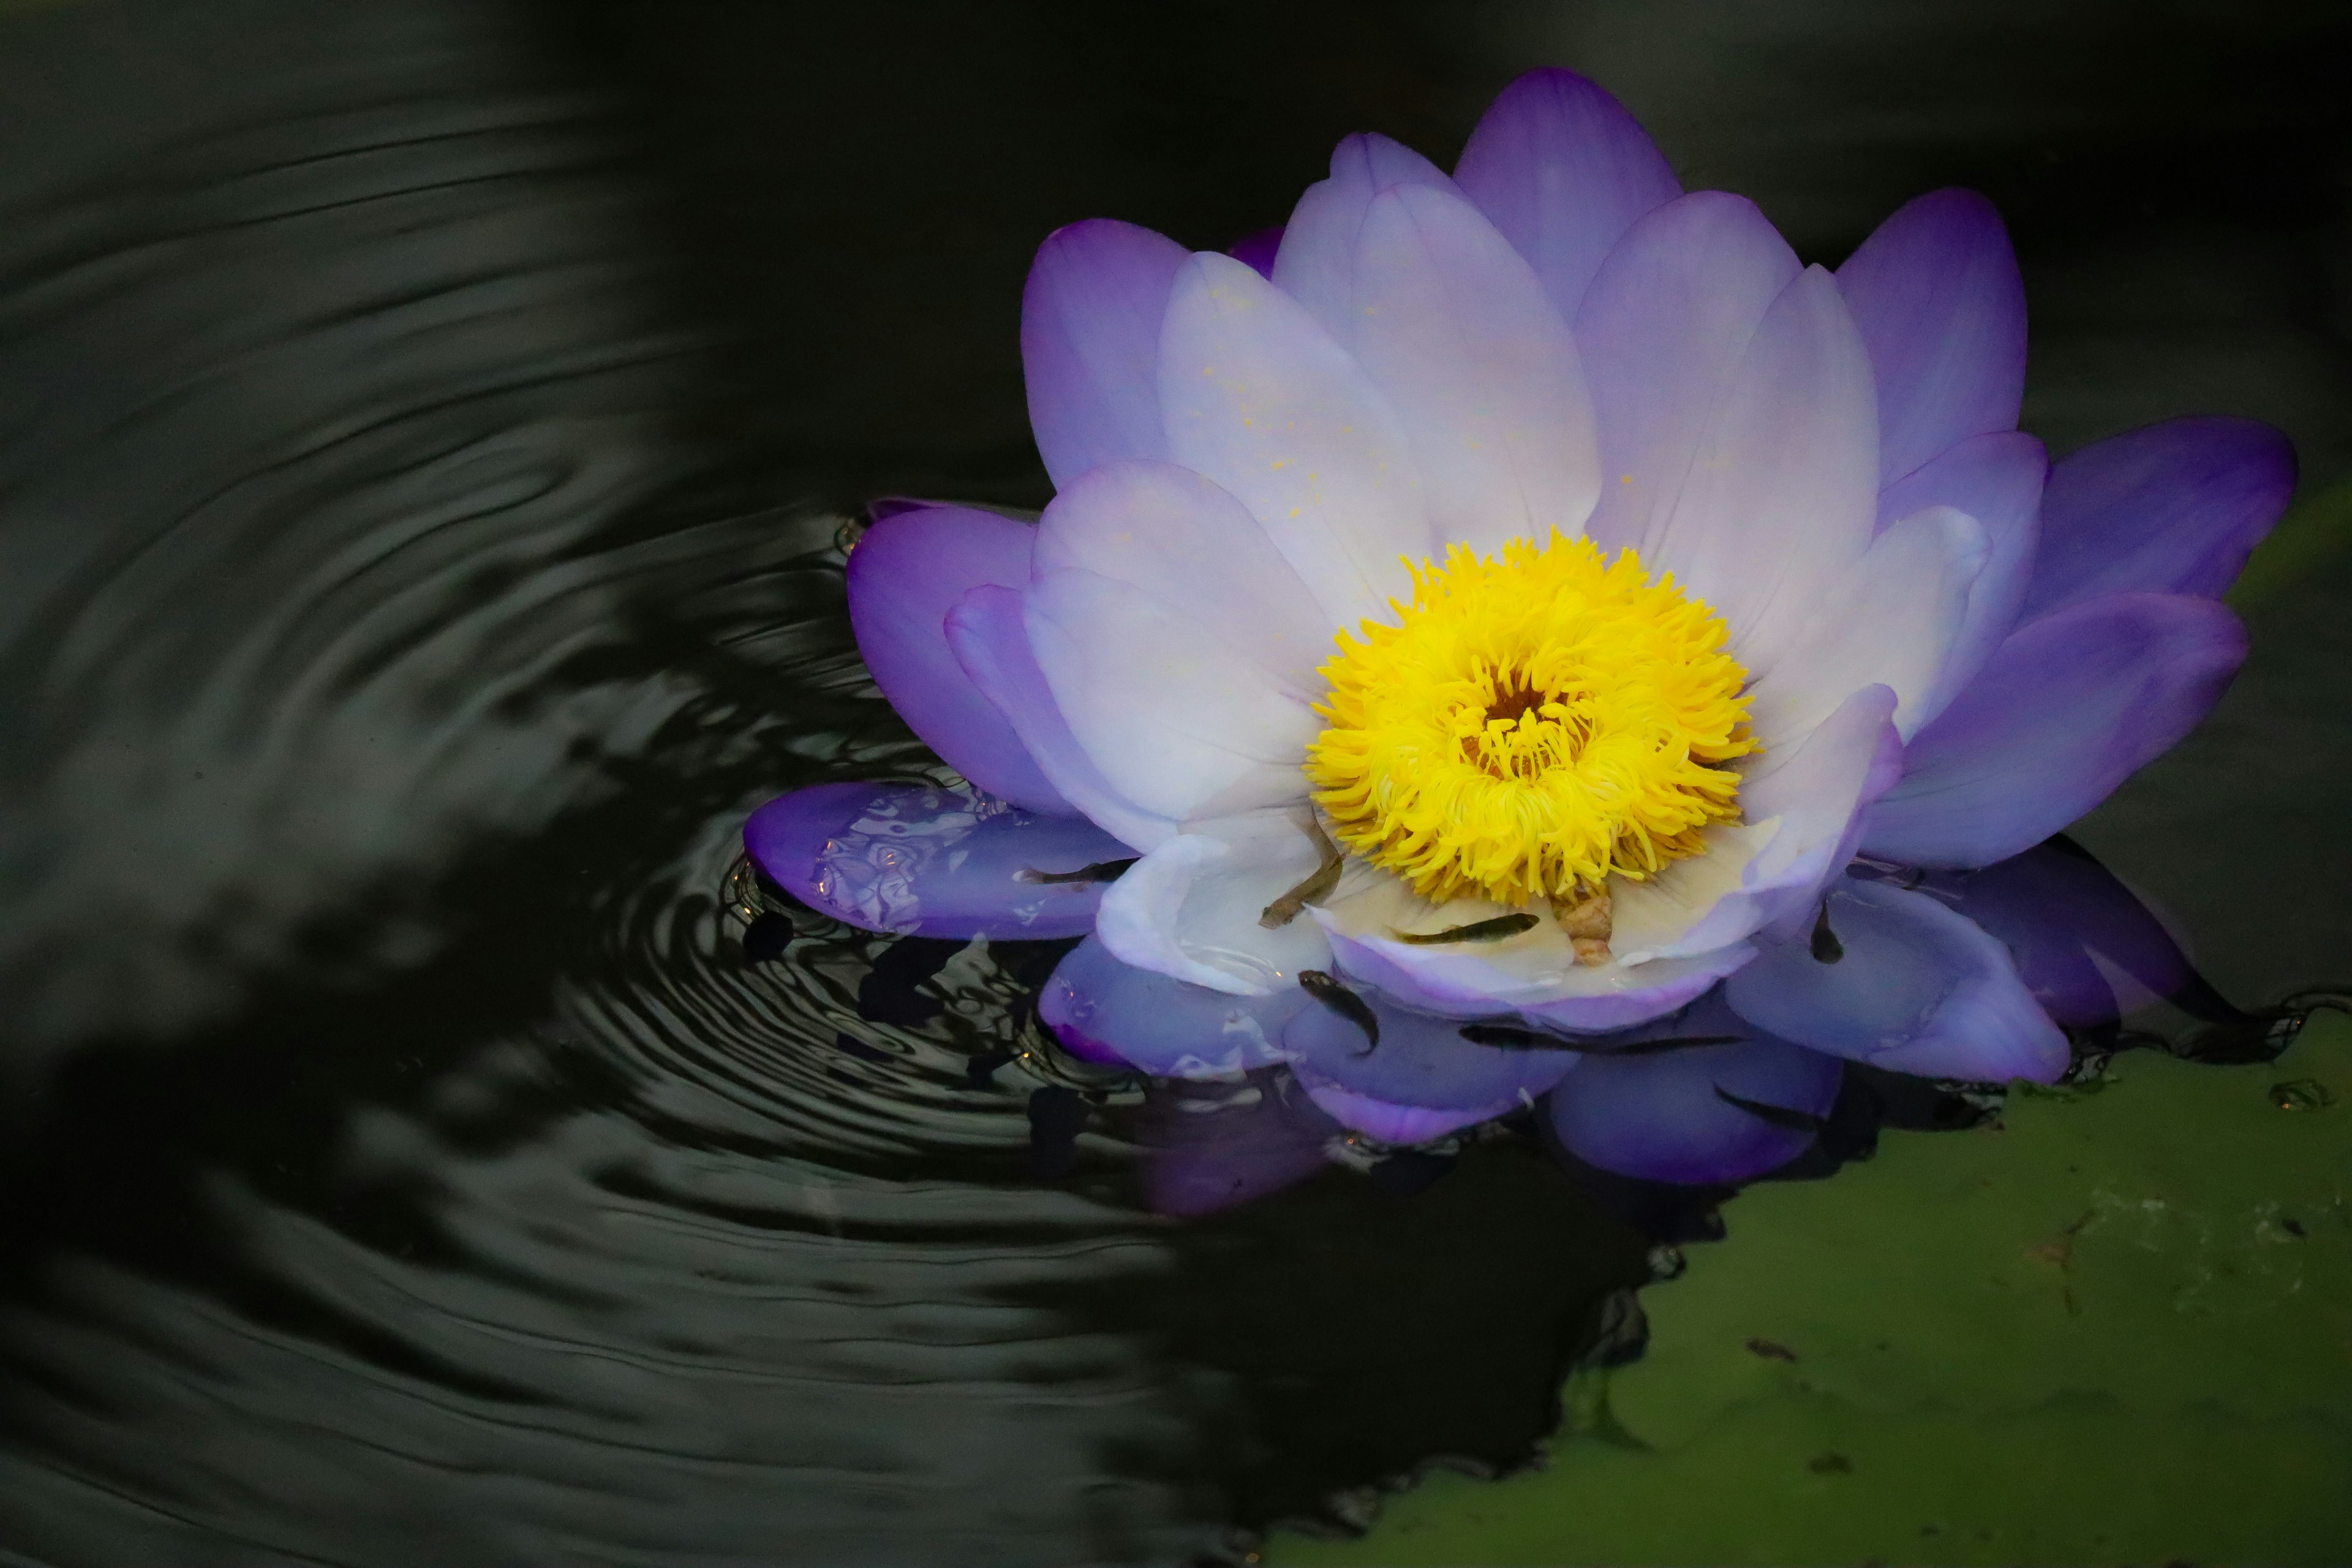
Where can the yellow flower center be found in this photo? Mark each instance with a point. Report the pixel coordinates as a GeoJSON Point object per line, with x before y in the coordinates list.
{"type": "Point", "coordinates": [1532, 725]}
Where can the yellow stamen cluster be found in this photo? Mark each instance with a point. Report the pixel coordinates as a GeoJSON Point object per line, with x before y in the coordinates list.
{"type": "Point", "coordinates": [1532, 725]}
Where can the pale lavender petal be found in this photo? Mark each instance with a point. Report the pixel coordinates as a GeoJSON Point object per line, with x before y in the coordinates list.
{"type": "Point", "coordinates": [1180, 723]}
{"type": "Point", "coordinates": [2087, 947]}
{"type": "Point", "coordinates": [1258, 249]}
{"type": "Point", "coordinates": [1664, 1116]}
{"type": "Point", "coordinates": [1662, 329]}
{"type": "Point", "coordinates": [988, 633]}
{"type": "Point", "coordinates": [2068, 709]}
{"type": "Point", "coordinates": [1260, 400]}
{"type": "Point", "coordinates": [1315, 263]}
{"type": "Point", "coordinates": [2168, 508]}
{"type": "Point", "coordinates": [1458, 336]}
{"type": "Point", "coordinates": [1108, 1010]}
{"type": "Point", "coordinates": [1179, 541]}
{"type": "Point", "coordinates": [905, 573]}
{"type": "Point", "coordinates": [1420, 1061]}
{"type": "Point", "coordinates": [1201, 1156]}
{"type": "Point", "coordinates": [1915, 987]}
{"type": "Point", "coordinates": [1393, 1123]}
{"type": "Point", "coordinates": [1191, 909]}
{"type": "Point", "coordinates": [1782, 492]}
{"type": "Point", "coordinates": [1936, 295]}
{"type": "Point", "coordinates": [1090, 344]}
{"type": "Point", "coordinates": [1563, 171]}
{"type": "Point", "coordinates": [1995, 479]}
{"type": "Point", "coordinates": [917, 861]}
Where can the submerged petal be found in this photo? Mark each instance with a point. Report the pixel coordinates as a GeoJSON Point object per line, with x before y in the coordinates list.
{"type": "Point", "coordinates": [1559, 167]}
{"type": "Point", "coordinates": [1418, 1061]}
{"type": "Point", "coordinates": [2068, 708]}
{"type": "Point", "coordinates": [2166, 508]}
{"type": "Point", "coordinates": [1108, 1011]}
{"type": "Point", "coordinates": [1936, 295]}
{"type": "Point", "coordinates": [905, 573]}
{"type": "Point", "coordinates": [919, 861]}
{"type": "Point", "coordinates": [1677, 1115]}
{"type": "Point", "coordinates": [1913, 987]}
{"type": "Point", "coordinates": [1090, 320]}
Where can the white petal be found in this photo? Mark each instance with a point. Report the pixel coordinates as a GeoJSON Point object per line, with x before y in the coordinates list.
{"type": "Point", "coordinates": [1190, 548]}
{"type": "Point", "coordinates": [1258, 398]}
{"type": "Point", "coordinates": [1891, 620]}
{"type": "Point", "coordinates": [1178, 723]}
{"type": "Point", "coordinates": [1458, 336]}
{"type": "Point", "coordinates": [1783, 493]}
{"type": "Point", "coordinates": [1315, 264]}
{"type": "Point", "coordinates": [1191, 908]}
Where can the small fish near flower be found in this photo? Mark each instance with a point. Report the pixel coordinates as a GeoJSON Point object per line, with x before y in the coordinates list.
{"type": "Point", "coordinates": [1526, 639]}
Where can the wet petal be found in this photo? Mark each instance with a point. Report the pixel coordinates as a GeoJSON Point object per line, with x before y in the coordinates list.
{"type": "Point", "coordinates": [1420, 1061]}
{"type": "Point", "coordinates": [917, 861]}
{"type": "Point", "coordinates": [904, 576]}
{"type": "Point", "coordinates": [1201, 1156]}
{"type": "Point", "coordinates": [1178, 722]}
{"type": "Point", "coordinates": [2168, 508]}
{"type": "Point", "coordinates": [990, 637]}
{"type": "Point", "coordinates": [1559, 167]}
{"type": "Point", "coordinates": [1662, 329]}
{"type": "Point", "coordinates": [1995, 479]}
{"type": "Point", "coordinates": [1192, 908]}
{"type": "Point", "coordinates": [1457, 334]}
{"type": "Point", "coordinates": [1664, 1116]}
{"type": "Point", "coordinates": [1261, 400]}
{"type": "Point", "coordinates": [1090, 344]}
{"type": "Point", "coordinates": [1936, 295]}
{"type": "Point", "coordinates": [1917, 988]}
{"type": "Point", "coordinates": [1108, 1010]}
{"type": "Point", "coordinates": [2068, 709]}
{"type": "Point", "coordinates": [1177, 539]}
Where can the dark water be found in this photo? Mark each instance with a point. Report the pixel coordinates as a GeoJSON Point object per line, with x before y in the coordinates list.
{"type": "Point", "coordinates": [424, 433]}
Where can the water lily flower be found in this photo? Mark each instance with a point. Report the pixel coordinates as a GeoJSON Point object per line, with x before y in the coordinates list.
{"type": "Point", "coordinates": [1489, 648]}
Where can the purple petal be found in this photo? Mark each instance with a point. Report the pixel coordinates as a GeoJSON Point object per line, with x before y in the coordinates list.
{"type": "Point", "coordinates": [1106, 1011]}
{"type": "Point", "coordinates": [1420, 1061]}
{"type": "Point", "coordinates": [2086, 944]}
{"type": "Point", "coordinates": [1662, 329]}
{"type": "Point", "coordinates": [2066, 710]}
{"type": "Point", "coordinates": [1663, 1117]}
{"type": "Point", "coordinates": [1459, 339]}
{"type": "Point", "coordinates": [1090, 344]}
{"type": "Point", "coordinates": [1393, 1123]}
{"type": "Point", "coordinates": [2168, 509]}
{"type": "Point", "coordinates": [1997, 480]}
{"type": "Point", "coordinates": [1202, 1156]}
{"type": "Point", "coordinates": [989, 640]}
{"type": "Point", "coordinates": [1315, 263]}
{"type": "Point", "coordinates": [915, 861]}
{"type": "Point", "coordinates": [1258, 249]}
{"type": "Point", "coordinates": [1563, 171]}
{"type": "Point", "coordinates": [1938, 299]}
{"type": "Point", "coordinates": [904, 576]}
{"type": "Point", "coordinates": [1918, 988]}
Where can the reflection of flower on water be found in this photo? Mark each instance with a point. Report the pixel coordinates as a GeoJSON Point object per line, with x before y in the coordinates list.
{"type": "Point", "coordinates": [1525, 641]}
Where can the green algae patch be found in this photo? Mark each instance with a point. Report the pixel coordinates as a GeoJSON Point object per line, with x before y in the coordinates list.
{"type": "Point", "coordinates": [2114, 1327]}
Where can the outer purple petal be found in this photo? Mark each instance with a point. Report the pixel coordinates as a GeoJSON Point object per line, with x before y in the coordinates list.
{"type": "Point", "coordinates": [904, 577]}
{"type": "Point", "coordinates": [2068, 708]}
{"type": "Point", "coordinates": [1663, 1117]}
{"type": "Point", "coordinates": [1938, 299]}
{"type": "Point", "coordinates": [2168, 508]}
{"type": "Point", "coordinates": [1997, 480]}
{"type": "Point", "coordinates": [1918, 988]}
{"type": "Point", "coordinates": [1662, 329]}
{"type": "Point", "coordinates": [2085, 945]}
{"type": "Point", "coordinates": [1106, 1011]}
{"type": "Point", "coordinates": [1090, 344]}
{"type": "Point", "coordinates": [1563, 171]}
{"type": "Point", "coordinates": [1421, 1062]}
{"type": "Point", "coordinates": [930, 862]}
{"type": "Point", "coordinates": [991, 643]}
